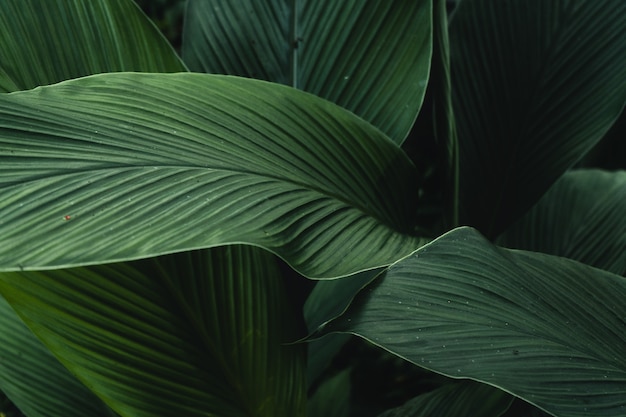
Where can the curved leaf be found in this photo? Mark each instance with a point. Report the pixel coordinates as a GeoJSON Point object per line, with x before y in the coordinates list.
{"type": "Point", "coordinates": [465, 398]}
{"type": "Point", "coordinates": [122, 166]}
{"type": "Point", "coordinates": [195, 334]}
{"type": "Point", "coordinates": [34, 380]}
{"type": "Point", "coordinates": [44, 42]}
{"type": "Point", "coordinates": [370, 57]}
{"type": "Point", "coordinates": [536, 85]}
{"type": "Point", "coordinates": [582, 217]}
{"type": "Point", "coordinates": [547, 329]}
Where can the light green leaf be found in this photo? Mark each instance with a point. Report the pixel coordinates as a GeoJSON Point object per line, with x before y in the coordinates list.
{"type": "Point", "coordinates": [194, 334]}
{"type": "Point", "coordinates": [44, 42]}
{"type": "Point", "coordinates": [34, 380]}
{"type": "Point", "coordinates": [582, 217]}
{"type": "Point", "coordinates": [546, 329]}
{"type": "Point", "coordinates": [122, 166]}
{"type": "Point", "coordinates": [370, 57]}
{"type": "Point", "coordinates": [464, 398]}
{"type": "Point", "coordinates": [536, 85]}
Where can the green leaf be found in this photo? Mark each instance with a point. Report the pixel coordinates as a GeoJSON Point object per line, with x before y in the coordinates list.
{"type": "Point", "coordinates": [332, 398]}
{"type": "Point", "coordinates": [582, 217]}
{"type": "Point", "coordinates": [370, 57]}
{"type": "Point", "coordinates": [44, 42]}
{"type": "Point", "coordinates": [327, 300]}
{"type": "Point", "coordinates": [121, 166]}
{"type": "Point", "coordinates": [34, 380]}
{"type": "Point", "coordinates": [464, 398]}
{"type": "Point", "coordinates": [536, 85]}
{"type": "Point", "coordinates": [193, 334]}
{"type": "Point", "coordinates": [546, 329]}
{"type": "Point", "coordinates": [443, 115]}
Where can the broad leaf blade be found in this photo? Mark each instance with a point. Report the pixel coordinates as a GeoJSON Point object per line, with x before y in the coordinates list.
{"type": "Point", "coordinates": [122, 166]}
{"type": "Point", "coordinates": [195, 334]}
{"type": "Point", "coordinates": [44, 42]}
{"type": "Point", "coordinates": [546, 329]}
{"type": "Point", "coordinates": [370, 57]}
{"type": "Point", "coordinates": [34, 380]}
{"type": "Point", "coordinates": [582, 217]}
{"type": "Point", "coordinates": [465, 398]}
{"type": "Point", "coordinates": [536, 85]}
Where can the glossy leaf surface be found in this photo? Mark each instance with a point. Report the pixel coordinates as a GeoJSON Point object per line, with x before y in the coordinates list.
{"type": "Point", "coordinates": [122, 166]}
{"type": "Point", "coordinates": [546, 329]}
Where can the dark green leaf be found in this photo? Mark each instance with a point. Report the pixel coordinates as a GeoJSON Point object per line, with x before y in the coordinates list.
{"type": "Point", "coordinates": [370, 57]}
{"type": "Point", "coordinates": [194, 334]}
{"type": "Point", "coordinates": [34, 380]}
{"type": "Point", "coordinates": [465, 398]}
{"type": "Point", "coordinates": [549, 330]}
{"type": "Point", "coordinates": [332, 398]}
{"type": "Point", "coordinates": [536, 85]}
{"type": "Point", "coordinates": [582, 217]}
{"type": "Point", "coordinates": [44, 42]}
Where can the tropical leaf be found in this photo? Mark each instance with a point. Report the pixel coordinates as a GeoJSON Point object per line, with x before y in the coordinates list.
{"type": "Point", "coordinates": [332, 398]}
{"type": "Point", "coordinates": [34, 380]}
{"type": "Point", "coordinates": [195, 334]}
{"type": "Point", "coordinates": [581, 217]}
{"type": "Point", "coordinates": [44, 42]}
{"type": "Point", "coordinates": [536, 85]}
{"type": "Point", "coordinates": [370, 57]}
{"type": "Point", "coordinates": [443, 115]}
{"type": "Point", "coordinates": [327, 300]}
{"type": "Point", "coordinates": [464, 398]}
{"type": "Point", "coordinates": [544, 328]}
{"type": "Point", "coordinates": [122, 166]}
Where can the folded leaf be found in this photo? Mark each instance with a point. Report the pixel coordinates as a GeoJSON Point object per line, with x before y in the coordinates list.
{"type": "Point", "coordinates": [370, 57]}
{"type": "Point", "coordinates": [44, 42]}
{"type": "Point", "coordinates": [546, 329]}
{"type": "Point", "coordinates": [194, 334]}
{"type": "Point", "coordinates": [123, 166]}
{"type": "Point", "coordinates": [536, 85]}
{"type": "Point", "coordinates": [34, 380]}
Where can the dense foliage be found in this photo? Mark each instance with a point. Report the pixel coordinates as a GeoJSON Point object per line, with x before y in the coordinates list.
{"type": "Point", "coordinates": [312, 208]}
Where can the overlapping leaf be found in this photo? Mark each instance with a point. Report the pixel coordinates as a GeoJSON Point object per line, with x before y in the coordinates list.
{"type": "Point", "coordinates": [463, 398]}
{"type": "Point", "coordinates": [370, 57]}
{"type": "Point", "coordinates": [195, 334]}
{"type": "Point", "coordinates": [34, 380]}
{"type": "Point", "coordinates": [122, 166]}
{"type": "Point", "coordinates": [44, 42]}
{"type": "Point", "coordinates": [536, 85]}
{"type": "Point", "coordinates": [547, 329]}
{"type": "Point", "coordinates": [582, 217]}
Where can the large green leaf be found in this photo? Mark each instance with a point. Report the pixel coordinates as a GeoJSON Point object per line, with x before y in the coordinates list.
{"type": "Point", "coordinates": [44, 42]}
{"type": "Point", "coordinates": [121, 166]}
{"type": "Point", "coordinates": [546, 329]}
{"type": "Point", "coordinates": [464, 398]}
{"type": "Point", "coordinates": [34, 380]}
{"type": "Point", "coordinates": [582, 217]}
{"type": "Point", "coordinates": [193, 334]}
{"type": "Point", "coordinates": [370, 57]}
{"type": "Point", "coordinates": [536, 85]}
